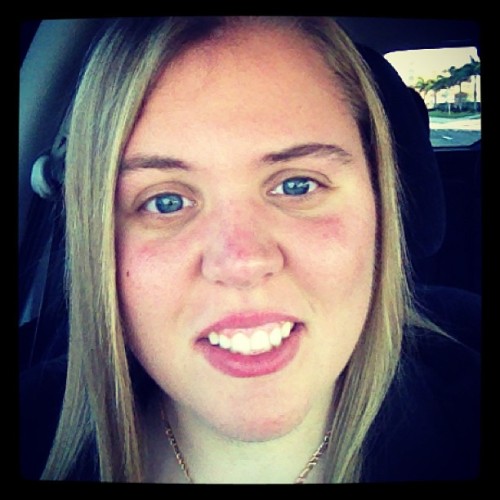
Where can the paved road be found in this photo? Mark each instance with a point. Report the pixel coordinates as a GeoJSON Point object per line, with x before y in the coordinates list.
{"type": "Point", "coordinates": [450, 138]}
{"type": "Point", "coordinates": [446, 132]}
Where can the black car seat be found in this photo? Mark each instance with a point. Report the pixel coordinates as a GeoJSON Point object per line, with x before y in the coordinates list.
{"type": "Point", "coordinates": [456, 310]}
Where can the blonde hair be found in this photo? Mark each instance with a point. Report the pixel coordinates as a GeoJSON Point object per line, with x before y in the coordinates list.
{"type": "Point", "coordinates": [100, 404]}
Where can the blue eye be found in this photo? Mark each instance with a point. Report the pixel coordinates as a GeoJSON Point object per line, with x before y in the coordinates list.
{"type": "Point", "coordinates": [296, 186]}
{"type": "Point", "coordinates": [167, 203]}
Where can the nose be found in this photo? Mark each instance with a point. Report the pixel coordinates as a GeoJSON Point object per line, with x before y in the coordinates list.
{"type": "Point", "coordinates": [241, 251]}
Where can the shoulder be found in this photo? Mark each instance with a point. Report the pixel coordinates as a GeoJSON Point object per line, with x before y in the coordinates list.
{"type": "Point", "coordinates": [428, 426]}
{"type": "Point", "coordinates": [41, 391]}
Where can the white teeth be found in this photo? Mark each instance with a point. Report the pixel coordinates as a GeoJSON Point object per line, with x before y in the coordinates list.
{"type": "Point", "coordinates": [224, 342]}
{"type": "Point", "coordinates": [258, 342]}
{"type": "Point", "coordinates": [213, 338]}
{"type": "Point", "coordinates": [240, 343]}
{"type": "Point", "coordinates": [286, 329]}
{"type": "Point", "coordinates": [275, 337]}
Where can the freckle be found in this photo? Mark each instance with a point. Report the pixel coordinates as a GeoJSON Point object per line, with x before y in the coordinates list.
{"type": "Point", "coordinates": [128, 274]}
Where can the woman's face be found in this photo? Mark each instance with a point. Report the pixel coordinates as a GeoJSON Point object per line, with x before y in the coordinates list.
{"type": "Point", "coordinates": [246, 234]}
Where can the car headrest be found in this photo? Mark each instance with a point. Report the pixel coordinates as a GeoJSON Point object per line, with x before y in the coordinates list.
{"type": "Point", "coordinates": [424, 215]}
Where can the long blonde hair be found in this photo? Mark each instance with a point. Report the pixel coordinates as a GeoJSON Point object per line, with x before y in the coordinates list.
{"type": "Point", "coordinates": [100, 404]}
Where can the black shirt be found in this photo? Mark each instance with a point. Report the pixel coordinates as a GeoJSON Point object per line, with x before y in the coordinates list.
{"type": "Point", "coordinates": [429, 426]}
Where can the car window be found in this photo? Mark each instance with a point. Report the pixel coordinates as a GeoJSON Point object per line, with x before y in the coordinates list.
{"type": "Point", "coordinates": [449, 81]}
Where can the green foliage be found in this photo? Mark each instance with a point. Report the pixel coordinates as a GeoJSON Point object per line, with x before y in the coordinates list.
{"type": "Point", "coordinates": [449, 78]}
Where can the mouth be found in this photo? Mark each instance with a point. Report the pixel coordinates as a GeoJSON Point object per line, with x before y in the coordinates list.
{"type": "Point", "coordinates": [250, 346]}
{"type": "Point", "coordinates": [253, 341]}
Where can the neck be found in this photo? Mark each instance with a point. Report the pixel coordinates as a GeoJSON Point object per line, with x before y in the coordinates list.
{"type": "Point", "coordinates": [213, 458]}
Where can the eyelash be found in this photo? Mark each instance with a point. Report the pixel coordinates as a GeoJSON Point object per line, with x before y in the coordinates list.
{"type": "Point", "coordinates": [306, 186]}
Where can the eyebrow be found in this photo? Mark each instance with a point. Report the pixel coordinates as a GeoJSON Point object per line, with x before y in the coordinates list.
{"type": "Point", "coordinates": [137, 162]}
{"type": "Point", "coordinates": [310, 149]}
{"type": "Point", "coordinates": [295, 152]}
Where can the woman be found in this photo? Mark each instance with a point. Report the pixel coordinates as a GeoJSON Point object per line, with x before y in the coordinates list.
{"type": "Point", "coordinates": [237, 275]}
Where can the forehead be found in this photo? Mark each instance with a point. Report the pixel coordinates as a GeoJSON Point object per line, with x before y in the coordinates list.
{"type": "Point", "coordinates": [258, 80]}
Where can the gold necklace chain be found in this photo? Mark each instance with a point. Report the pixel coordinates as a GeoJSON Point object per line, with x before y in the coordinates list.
{"type": "Point", "coordinates": [300, 478]}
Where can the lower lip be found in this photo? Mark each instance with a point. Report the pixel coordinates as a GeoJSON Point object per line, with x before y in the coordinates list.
{"type": "Point", "coordinates": [258, 365]}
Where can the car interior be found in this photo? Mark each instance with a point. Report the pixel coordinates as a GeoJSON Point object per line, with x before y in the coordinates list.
{"type": "Point", "coordinates": [442, 186]}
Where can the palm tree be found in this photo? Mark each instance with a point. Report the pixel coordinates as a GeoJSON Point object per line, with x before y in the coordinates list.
{"type": "Point", "coordinates": [473, 70]}
{"type": "Point", "coordinates": [464, 74]}
{"type": "Point", "coordinates": [456, 78]}
{"type": "Point", "coordinates": [441, 82]}
{"type": "Point", "coordinates": [422, 86]}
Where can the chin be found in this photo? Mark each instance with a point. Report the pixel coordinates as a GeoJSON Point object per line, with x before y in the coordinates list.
{"type": "Point", "coordinates": [259, 426]}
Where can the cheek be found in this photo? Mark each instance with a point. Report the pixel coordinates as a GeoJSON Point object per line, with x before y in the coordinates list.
{"type": "Point", "coordinates": [147, 262]}
{"type": "Point", "coordinates": [152, 288]}
{"type": "Point", "coordinates": [335, 259]}
{"type": "Point", "coordinates": [337, 244]}
{"type": "Point", "coordinates": [133, 291]}
{"type": "Point", "coordinates": [147, 274]}
{"type": "Point", "coordinates": [337, 278]}
{"type": "Point", "coordinates": [329, 228]}
{"type": "Point", "coordinates": [135, 265]}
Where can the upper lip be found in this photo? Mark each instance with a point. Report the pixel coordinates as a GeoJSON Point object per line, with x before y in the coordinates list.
{"type": "Point", "coordinates": [246, 320]}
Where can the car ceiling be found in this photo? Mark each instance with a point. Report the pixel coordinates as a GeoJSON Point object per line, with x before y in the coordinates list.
{"type": "Point", "coordinates": [51, 65]}
{"type": "Point", "coordinates": [391, 34]}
